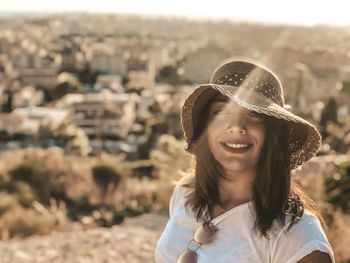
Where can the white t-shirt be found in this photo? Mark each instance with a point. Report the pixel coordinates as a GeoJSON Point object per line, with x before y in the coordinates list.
{"type": "Point", "coordinates": [236, 240]}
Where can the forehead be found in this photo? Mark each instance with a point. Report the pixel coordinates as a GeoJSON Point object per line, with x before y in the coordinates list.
{"type": "Point", "coordinates": [221, 100]}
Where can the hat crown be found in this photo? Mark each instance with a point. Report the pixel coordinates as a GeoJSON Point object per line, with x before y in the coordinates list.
{"type": "Point", "coordinates": [250, 76]}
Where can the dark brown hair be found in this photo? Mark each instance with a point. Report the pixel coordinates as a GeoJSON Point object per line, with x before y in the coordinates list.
{"type": "Point", "coordinates": [274, 193]}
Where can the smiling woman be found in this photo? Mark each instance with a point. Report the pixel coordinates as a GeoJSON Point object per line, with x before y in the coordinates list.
{"type": "Point", "coordinates": [240, 204]}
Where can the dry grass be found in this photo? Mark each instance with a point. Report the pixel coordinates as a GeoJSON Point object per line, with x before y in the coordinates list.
{"type": "Point", "coordinates": [68, 172]}
{"type": "Point", "coordinates": [67, 177]}
{"type": "Point", "coordinates": [170, 162]}
{"type": "Point", "coordinates": [339, 236]}
{"type": "Point", "coordinates": [21, 222]}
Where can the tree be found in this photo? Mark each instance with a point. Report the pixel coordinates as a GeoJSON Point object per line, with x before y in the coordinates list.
{"type": "Point", "coordinates": [168, 74]}
{"type": "Point", "coordinates": [107, 179]}
{"type": "Point", "coordinates": [329, 115]}
{"type": "Point", "coordinates": [72, 137]}
{"type": "Point", "coordinates": [64, 88]}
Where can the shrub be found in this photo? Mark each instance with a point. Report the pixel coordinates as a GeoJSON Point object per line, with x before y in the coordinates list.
{"type": "Point", "coordinates": [7, 202]}
{"type": "Point", "coordinates": [24, 193]}
{"type": "Point", "coordinates": [338, 188]}
{"type": "Point", "coordinates": [49, 172]}
{"type": "Point", "coordinates": [39, 180]}
{"type": "Point", "coordinates": [4, 180]}
{"type": "Point", "coordinates": [22, 222]}
{"type": "Point", "coordinates": [169, 160]}
{"type": "Point", "coordinates": [107, 178]}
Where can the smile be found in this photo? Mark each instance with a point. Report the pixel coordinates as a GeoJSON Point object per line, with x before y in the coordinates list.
{"type": "Point", "coordinates": [236, 148]}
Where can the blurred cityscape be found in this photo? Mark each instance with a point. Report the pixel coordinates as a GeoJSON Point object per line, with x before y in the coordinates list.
{"type": "Point", "coordinates": [92, 83]}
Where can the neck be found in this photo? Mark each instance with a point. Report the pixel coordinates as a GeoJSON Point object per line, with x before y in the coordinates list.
{"type": "Point", "coordinates": [236, 187]}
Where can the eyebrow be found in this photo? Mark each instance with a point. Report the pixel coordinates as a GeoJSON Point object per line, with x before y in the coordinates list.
{"type": "Point", "coordinates": [220, 98]}
{"type": "Point", "coordinates": [216, 104]}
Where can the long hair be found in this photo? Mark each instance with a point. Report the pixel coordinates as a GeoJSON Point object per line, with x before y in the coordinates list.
{"type": "Point", "coordinates": [274, 193]}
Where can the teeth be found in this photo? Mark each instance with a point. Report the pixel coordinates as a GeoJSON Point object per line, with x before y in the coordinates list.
{"type": "Point", "coordinates": [236, 145]}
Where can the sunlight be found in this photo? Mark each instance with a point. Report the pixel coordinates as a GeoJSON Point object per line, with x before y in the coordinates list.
{"type": "Point", "coordinates": [270, 11]}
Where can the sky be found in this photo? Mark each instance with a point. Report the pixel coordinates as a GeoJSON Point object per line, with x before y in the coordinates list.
{"type": "Point", "coordinates": [300, 12]}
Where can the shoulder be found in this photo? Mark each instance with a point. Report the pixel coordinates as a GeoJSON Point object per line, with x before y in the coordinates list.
{"type": "Point", "coordinates": [184, 185]}
{"type": "Point", "coordinates": [185, 180]}
{"type": "Point", "coordinates": [307, 228]}
{"type": "Point", "coordinates": [303, 238]}
{"type": "Point", "coordinates": [181, 190]}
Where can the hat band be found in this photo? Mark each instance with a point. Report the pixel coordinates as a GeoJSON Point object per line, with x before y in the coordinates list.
{"type": "Point", "coordinates": [252, 96]}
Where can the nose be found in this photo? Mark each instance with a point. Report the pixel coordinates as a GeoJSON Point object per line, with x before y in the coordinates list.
{"type": "Point", "coordinates": [237, 129]}
{"type": "Point", "coordinates": [237, 126]}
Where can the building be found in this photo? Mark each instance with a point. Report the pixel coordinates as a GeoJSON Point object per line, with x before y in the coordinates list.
{"type": "Point", "coordinates": [23, 127]}
{"type": "Point", "coordinates": [106, 118]}
{"type": "Point", "coordinates": [49, 118]}
{"type": "Point", "coordinates": [28, 96]}
{"type": "Point", "coordinates": [141, 73]}
{"type": "Point", "coordinates": [200, 64]}
{"type": "Point", "coordinates": [46, 78]}
{"type": "Point", "coordinates": [105, 59]}
{"type": "Point", "coordinates": [112, 82]}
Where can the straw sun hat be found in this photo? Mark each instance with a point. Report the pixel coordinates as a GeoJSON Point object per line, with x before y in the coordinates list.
{"type": "Point", "coordinates": [258, 89]}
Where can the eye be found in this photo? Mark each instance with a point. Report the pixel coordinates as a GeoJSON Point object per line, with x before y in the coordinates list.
{"type": "Point", "coordinates": [217, 111]}
{"type": "Point", "coordinates": [220, 112]}
{"type": "Point", "coordinates": [254, 115]}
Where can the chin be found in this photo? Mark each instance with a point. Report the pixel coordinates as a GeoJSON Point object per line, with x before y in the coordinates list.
{"type": "Point", "coordinates": [239, 167]}
{"type": "Point", "coordinates": [235, 168]}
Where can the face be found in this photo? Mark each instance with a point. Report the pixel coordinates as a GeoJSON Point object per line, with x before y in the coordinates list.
{"type": "Point", "coordinates": [235, 136]}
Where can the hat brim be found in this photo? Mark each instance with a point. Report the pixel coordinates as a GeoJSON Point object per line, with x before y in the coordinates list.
{"type": "Point", "coordinates": [304, 139]}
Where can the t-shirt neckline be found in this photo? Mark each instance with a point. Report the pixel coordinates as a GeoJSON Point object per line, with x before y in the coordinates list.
{"type": "Point", "coordinates": [231, 211]}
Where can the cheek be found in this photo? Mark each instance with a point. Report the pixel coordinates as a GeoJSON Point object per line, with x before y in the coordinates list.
{"type": "Point", "coordinates": [211, 135]}
{"type": "Point", "coordinates": [258, 131]}
{"type": "Point", "coordinates": [260, 135]}
{"type": "Point", "coordinates": [216, 127]}
{"type": "Point", "coordinates": [210, 132]}
{"type": "Point", "coordinates": [210, 140]}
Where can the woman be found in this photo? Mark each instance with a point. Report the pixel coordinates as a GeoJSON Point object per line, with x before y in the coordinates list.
{"type": "Point", "coordinates": [240, 204]}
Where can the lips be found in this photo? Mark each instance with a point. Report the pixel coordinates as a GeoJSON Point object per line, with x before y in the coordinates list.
{"type": "Point", "coordinates": [236, 147]}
